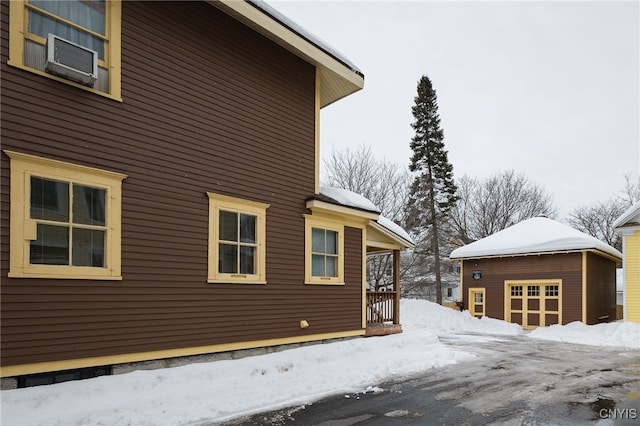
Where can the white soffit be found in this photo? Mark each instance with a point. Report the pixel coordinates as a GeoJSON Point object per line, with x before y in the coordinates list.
{"type": "Point", "coordinates": [630, 216]}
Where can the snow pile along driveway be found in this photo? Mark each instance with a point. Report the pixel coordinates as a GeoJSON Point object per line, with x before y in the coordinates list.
{"type": "Point", "coordinates": [419, 314]}
{"type": "Point", "coordinates": [222, 390]}
{"type": "Point", "coordinates": [619, 333]}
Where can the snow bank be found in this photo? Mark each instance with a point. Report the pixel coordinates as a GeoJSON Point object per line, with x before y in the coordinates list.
{"type": "Point", "coordinates": [619, 333]}
{"type": "Point", "coordinates": [222, 390]}
{"type": "Point", "coordinates": [225, 389]}
{"type": "Point", "coordinates": [218, 391]}
{"type": "Point", "coordinates": [419, 314]}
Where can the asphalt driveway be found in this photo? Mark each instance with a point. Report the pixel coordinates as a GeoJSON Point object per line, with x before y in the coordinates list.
{"type": "Point", "coordinates": [512, 381]}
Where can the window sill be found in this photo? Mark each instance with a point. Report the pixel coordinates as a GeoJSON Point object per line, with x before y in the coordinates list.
{"type": "Point", "coordinates": [327, 282]}
{"type": "Point", "coordinates": [236, 281]}
{"type": "Point", "coordinates": [64, 276]}
{"type": "Point", "coordinates": [65, 81]}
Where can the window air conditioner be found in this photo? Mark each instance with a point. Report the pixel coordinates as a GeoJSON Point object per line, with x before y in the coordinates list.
{"type": "Point", "coordinates": [71, 61]}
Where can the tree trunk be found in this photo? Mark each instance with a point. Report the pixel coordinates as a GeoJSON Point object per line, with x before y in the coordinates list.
{"type": "Point", "coordinates": [435, 244]}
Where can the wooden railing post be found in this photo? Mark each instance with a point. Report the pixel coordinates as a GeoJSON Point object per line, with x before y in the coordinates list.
{"type": "Point", "coordinates": [396, 286]}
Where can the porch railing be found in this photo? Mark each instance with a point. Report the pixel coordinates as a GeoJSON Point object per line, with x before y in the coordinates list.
{"type": "Point", "coordinates": [381, 307]}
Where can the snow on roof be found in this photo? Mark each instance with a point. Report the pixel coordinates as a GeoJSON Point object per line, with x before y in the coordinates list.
{"type": "Point", "coordinates": [395, 228]}
{"type": "Point", "coordinates": [632, 214]}
{"type": "Point", "coordinates": [349, 199]}
{"type": "Point", "coordinates": [311, 38]}
{"type": "Point", "coordinates": [535, 235]}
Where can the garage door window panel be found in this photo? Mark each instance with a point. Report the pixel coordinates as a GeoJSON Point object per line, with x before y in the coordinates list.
{"type": "Point", "coordinates": [538, 306]}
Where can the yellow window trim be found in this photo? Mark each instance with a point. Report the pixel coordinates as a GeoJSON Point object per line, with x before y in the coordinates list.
{"type": "Point", "coordinates": [331, 225]}
{"type": "Point", "coordinates": [473, 303]}
{"type": "Point", "coordinates": [219, 202]}
{"type": "Point", "coordinates": [113, 62]}
{"type": "Point", "coordinates": [23, 166]}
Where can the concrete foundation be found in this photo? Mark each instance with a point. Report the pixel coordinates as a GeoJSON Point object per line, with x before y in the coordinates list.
{"type": "Point", "coordinates": [219, 356]}
{"type": "Point", "coordinates": [7, 383]}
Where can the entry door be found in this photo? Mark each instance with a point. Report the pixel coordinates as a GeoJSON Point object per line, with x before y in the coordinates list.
{"type": "Point", "coordinates": [477, 302]}
{"type": "Point", "coordinates": [533, 303]}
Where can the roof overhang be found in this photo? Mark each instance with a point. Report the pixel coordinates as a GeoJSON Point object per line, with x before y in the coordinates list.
{"type": "Point", "coordinates": [338, 77]}
{"type": "Point", "coordinates": [542, 253]}
{"type": "Point", "coordinates": [340, 210]}
{"type": "Point", "coordinates": [627, 229]}
{"type": "Point", "coordinates": [628, 222]}
{"type": "Point", "coordinates": [381, 239]}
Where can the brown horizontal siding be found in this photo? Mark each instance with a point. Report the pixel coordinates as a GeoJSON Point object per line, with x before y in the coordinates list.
{"type": "Point", "coordinates": [207, 107]}
{"type": "Point", "coordinates": [166, 161]}
{"type": "Point", "coordinates": [495, 271]}
{"type": "Point", "coordinates": [601, 288]}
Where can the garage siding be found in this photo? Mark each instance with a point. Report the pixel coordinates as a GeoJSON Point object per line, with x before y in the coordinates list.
{"type": "Point", "coordinates": [495, 271]}
{"type": "Point", "coordinates": [601, 289]}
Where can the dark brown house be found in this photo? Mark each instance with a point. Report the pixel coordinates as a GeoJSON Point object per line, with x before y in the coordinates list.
{"type": "Point", "coordinates": [160, 189]}
{"type": "Point", "coordinates": [539, 272]}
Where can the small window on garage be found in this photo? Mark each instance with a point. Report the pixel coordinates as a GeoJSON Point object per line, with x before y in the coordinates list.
{"type": "Point", "coordinates": [516, 290]}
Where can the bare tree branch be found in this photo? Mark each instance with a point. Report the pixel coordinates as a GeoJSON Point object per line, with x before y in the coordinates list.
{"type": "Point", "coordinates": [504, 199]}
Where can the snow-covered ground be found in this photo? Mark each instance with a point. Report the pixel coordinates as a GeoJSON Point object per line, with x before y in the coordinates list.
{"type": "Point", "coordinates": [223, 390]}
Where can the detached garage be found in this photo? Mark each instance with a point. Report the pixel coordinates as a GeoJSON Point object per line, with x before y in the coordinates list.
{"type": "Point", "coordinates": [539, 272]}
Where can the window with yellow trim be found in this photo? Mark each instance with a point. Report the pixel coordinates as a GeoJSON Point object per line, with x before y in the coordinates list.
{"type": "Point", "coordinates": [237, 240]}
{"type": "Point", "coordinates": [92, 24]}
{"type": "Point", "coordinates": [324, 251]}
{"type": "Point", "coordinates": [65, 220]}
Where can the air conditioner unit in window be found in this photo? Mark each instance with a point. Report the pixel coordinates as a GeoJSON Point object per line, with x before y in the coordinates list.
{"type": "Point", "coordinates": [71, 61]}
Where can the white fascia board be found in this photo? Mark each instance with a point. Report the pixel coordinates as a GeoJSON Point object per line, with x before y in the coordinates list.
{"type": "Point", "coordinates": [627, 230]}
{"type": "Point", "coordinates": [631, 215]}
{"type": "Point", "coordinates": [541, 253]}
{"type": "Point", "coordinates": [317, 205]}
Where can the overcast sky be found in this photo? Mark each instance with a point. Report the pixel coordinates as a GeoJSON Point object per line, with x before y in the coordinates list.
{"type": "Point", "coordinates": [550, 89]}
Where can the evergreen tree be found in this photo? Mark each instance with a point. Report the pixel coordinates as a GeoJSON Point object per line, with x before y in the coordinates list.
{"type": "Point", "coordinates": [433, 191]}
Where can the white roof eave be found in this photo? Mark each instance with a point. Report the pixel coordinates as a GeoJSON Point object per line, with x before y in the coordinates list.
{"type": "Point", "coordinates": [394, 236]}
{"type": "Point", "coordinates": [631, 215]}
{"type": "Point", "coordinates": [339, 76]}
